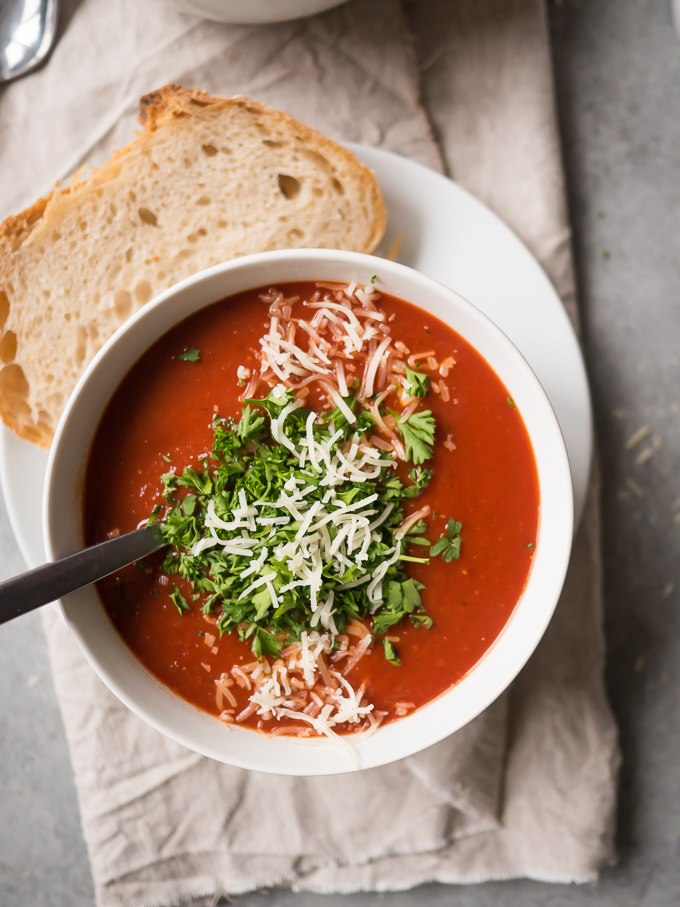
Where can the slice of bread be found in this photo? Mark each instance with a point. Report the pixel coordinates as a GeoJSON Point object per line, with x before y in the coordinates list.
{"type": "Point", "coordinates": [210, 179]}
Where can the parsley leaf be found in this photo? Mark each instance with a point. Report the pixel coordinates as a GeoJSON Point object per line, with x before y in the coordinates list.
{"type": "Point", "coordinates": [391, 653]}
{"type": "Point", "coordinates": [179, 601]}
{"type": "Point", "coordinates": [155, 513]}
{"type": "Point", "coordinates": [265, 643]}
{"type": "Point", "coordinates": [192, 355]}
{"type": "Point", "coordinates": [274, 402]}
{"type": "Point", "coordinates": [199, 481]}
{"type": "Point", "coordinates": [418, 434]}
{"type": "Point", "coordinates": [417, 383]}
{"type": "Point", "coordinates": [421, 479]}
{"type": "Point", "coordinates": [448, 544]}
{"type": "Point", "coordinates": [251, 425]}
{"type": "Point", "coordinates": [189, 504]}
{"type": "Point", "coordinates": [169, 479]}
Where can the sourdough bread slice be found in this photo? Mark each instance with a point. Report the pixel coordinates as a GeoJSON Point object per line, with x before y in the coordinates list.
{"type": "Point", "coordinates": [210, 179]}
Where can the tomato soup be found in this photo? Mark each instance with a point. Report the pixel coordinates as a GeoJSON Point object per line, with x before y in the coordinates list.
{"type": "Point", "coordinates": [484, 478]}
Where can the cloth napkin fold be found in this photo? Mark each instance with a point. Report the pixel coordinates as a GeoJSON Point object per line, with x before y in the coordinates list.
{"type": "Point", "coordinates": [527, 789]}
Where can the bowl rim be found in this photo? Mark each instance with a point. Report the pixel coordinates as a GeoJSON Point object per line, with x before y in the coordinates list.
{"type": "Point", "coordinates": [507, 654]}
{"type": "Point", "coordinates": [255, 12]}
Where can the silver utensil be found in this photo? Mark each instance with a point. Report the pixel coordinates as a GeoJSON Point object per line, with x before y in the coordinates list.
{"type": "Point", "coordinates": [52, 581]}
{"type": "Point", "coordinates": [27, 30]}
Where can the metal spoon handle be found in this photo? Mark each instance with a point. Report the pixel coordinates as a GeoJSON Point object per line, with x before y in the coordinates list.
{"type": "Point", "coordinates": [52, 581]}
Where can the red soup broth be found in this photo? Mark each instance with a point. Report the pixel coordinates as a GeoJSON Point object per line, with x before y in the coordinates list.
{"type": "Point", "coordinates": [163, 410]}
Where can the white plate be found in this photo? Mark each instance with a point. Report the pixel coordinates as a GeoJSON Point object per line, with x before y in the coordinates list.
{"type": "Point", "coordinates": [450, 236]}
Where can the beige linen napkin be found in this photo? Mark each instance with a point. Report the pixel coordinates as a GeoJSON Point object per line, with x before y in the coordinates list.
{"type": "Point", "coordinates": [527, 789]}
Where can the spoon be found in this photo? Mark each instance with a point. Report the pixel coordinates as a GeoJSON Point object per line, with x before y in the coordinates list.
{"type": "Point", "coordinates": [52, 581]}
{"type": "Point", "coordinates": [27, 30]}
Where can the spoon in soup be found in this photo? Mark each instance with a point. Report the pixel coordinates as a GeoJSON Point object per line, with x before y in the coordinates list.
{"type": "Point", "coordinates": [52, 581]}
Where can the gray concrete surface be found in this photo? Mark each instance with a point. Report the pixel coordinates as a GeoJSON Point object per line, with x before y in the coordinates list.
{"type": "Point", "coordinates": [618, 74]}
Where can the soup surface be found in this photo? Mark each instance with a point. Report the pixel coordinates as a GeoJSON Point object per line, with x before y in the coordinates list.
{"type": "Point", "coordinates": [475, 535]}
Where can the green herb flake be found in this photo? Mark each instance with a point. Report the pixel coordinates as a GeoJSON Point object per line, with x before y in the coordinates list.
{"type": "Point", "coordinates": [421, 479]}
{"type": "Point", "coordinates": [606, 254]}
{"type": "Point", "coordinates": [418, 434]}
{"type": "Point", "coordinates": [265, 643]}
{"type": "Point", "coordinates": [448, 544]}
{"type": "Point", "coordinates": [531, 545]}
{"type": "Point", "coordinates": [512, 403]}
{"type": "Point", "coordinates": [142, 565]}
{"type": "Point", "coordinates": [373, 278]}
{"type": "Point", "coordinates": [417, 385]}
{"type": "Point", "coordinates": [391, 653]}
{"type": "Point", "coordinates": [169, 480]}
{"type": "Point", "coordinates": [155, 513]}
{"type": "Point", "coordinates": [189, 504]}
{"type": "Point", "coordinates": [251, 425]}
{"type": "Point", "coordinates": [192, 355]}
{"type": "Point", "coordinates": [179, 601]}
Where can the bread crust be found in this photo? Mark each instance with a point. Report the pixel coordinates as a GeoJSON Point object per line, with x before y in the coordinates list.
{"type": "Point", "coordinates": [156, 110]}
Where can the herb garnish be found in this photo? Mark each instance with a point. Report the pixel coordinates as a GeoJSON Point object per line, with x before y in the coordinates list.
{"type": "Point", "coordinates": [179, 601]}
{"type": "Point", "coordinates": [417, 383]}
{"type": "Point", "coordinates": [261, 520]}
{"type": "Point", "coordinates": [448, 543]}
{"type": "Point", "coordinates": [418, 434]}
{"type": "Point", "coordinates": [192, 355]}
{"type": "Point", "coordinates": [391, 653]}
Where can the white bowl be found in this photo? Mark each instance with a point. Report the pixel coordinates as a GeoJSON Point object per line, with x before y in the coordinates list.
{"type": "Point", "coordinates": [253, 12]}
{"type": "Point", "coordinates": [151, 700]}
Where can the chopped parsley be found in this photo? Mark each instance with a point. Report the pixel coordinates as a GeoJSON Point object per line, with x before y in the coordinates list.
{"type": "Point", "coordinates": [391, 653]}
{"type": "Point", "coordinates": [448, 544]}
{"type": "Point", "coordinates": [276, 540]}
{"type": "Point", "coordinates": [417, 383]}
{"type": "Point", "coordinates": [421, 479]}
{"type": "Point", "coordinates": [179, 601]}
{"type": "Point", "coordinates": [192, 355]}
{"type": "Point", "coordinates": [418, 434]}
